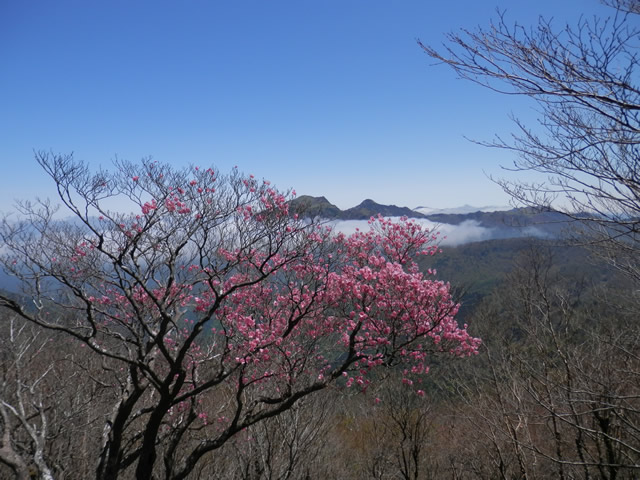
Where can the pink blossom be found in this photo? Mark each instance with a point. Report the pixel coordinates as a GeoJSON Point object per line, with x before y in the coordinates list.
{"type": "Point", "coordinates": [149, 206]}
{"type": "Point", "coordinates": [270, 291]}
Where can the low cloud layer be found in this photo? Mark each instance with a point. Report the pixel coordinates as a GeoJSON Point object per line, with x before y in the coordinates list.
{"type": "Point", "coordinates": [450, 235]}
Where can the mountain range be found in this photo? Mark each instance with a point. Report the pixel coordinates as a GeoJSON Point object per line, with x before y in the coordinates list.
{"type": "Point", "coordinates": [479, 245]}
{"type": "Point", "coordinates": [461, 210]}
{"type": "Point", "coordinates": [497, 222]}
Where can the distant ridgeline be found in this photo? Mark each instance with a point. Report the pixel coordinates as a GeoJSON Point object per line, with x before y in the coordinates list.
{"type": "Point", "coordinates": [478, 262]}
{"type": "Point", "coordinates": [519, 222]}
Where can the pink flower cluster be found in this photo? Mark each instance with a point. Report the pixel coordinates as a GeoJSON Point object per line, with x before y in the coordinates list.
{"type": "Point", "coordinates": [286, 303]}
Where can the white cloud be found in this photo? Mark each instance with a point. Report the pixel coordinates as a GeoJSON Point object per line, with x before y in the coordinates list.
{"type": "Point", "coordinates": [452, 235]}
{"type": "Point", "coordinates": [466, 232]}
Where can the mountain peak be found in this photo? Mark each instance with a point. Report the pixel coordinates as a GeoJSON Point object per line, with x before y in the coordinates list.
{"type": "Point", "coordinates": [308, 206]}
{"type": "Point", "coordinates": [369, 208]}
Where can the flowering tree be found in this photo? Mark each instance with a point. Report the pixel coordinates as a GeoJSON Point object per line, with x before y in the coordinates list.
{"type": "Point", "coordinates": [216, 308]}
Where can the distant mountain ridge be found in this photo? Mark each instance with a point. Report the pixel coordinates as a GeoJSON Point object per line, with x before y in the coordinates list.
{"type": "Point", "coordinates": [508, 223]}
{"type": "Point", "coordinates": [309, 206]}
{"type": "Point", "coordinates": [474, 226]}
{"type": "Point", "coordinates": [369, 208]}
{"type": "Point", "coordinates": [461, 210]}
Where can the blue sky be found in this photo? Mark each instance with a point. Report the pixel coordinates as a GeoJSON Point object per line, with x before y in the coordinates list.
{"type": "Point", "coordinates": [330, 97]}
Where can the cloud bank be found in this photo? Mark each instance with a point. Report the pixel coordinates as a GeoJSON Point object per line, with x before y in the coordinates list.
{"type": "Point", "coordinates": [449, 235]}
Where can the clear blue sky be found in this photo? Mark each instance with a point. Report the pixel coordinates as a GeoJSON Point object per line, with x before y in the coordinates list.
{"type": "Point", "coordinates": [330, 97]}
